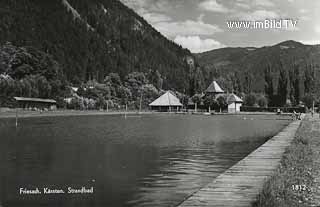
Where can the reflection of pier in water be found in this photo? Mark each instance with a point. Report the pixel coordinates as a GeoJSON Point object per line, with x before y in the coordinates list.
{"type": "Point", "coordinates": [240, 185]}
{"type": "Point", "coordinates": [186, 171]}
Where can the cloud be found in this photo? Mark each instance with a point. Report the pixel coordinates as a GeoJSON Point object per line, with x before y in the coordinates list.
{"type": "Point", "coordinates": [152, 5]}
{"type": "Point", "coordinates": [254, 4]}
{"type": "Point", "coordinates": [257, 15]}
{"type": "Point", "coordinates": [317, 29]}
{"type": "Point", "coordinates": [310, 42]}
{"type": "Point", "coordinates": [303, 11]}
{"type": "Point", "coordinates": [162, 5]}
{"type": "Point", "coordinates": [242, 5]}
{"type": "Point", "coordinates": [134, 4]}
{"type": "Point", "coordinates": [196, 45]}
{"type": "Point", "coordinates": [165, 24]}
{"type": "Point", "coordinates": [186, 28]}
{"type": "Point", "coordinates": [156, 17]}
{"type": "Point", "coordinates": [213, 6]}
{"type": "Point", "coordinates": [264, 3]}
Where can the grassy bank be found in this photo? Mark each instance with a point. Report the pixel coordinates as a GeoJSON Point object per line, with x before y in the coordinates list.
{"type": "Point", "coordinates": [293, 184]}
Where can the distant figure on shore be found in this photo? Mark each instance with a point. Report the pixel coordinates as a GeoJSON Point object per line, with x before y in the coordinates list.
{"type": "Point", "coordinates": [294, 115]}
{"type": "Point", "coordinates": [278, 111]}
{"type": "Point", "coordinates": [312, 113]}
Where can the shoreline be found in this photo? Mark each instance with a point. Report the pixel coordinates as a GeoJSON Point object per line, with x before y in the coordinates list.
{"type": "Point", "coordinates": [62, 113]}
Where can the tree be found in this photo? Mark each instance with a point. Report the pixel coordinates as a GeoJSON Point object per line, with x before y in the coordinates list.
{"type": "Point", "coordinates": [196, 81]}
{"type": "Point", "coordinates": [262, 101]}
{"type": "Point", "coordinates": [155, 78]}
{"type": "Point", "coordinates": [44, 87]}
{"type": "Point", "coordinates": [292, 87]}
{"type": "Point", "coordinates": [309, 79]}
{"type": "Point", "coordinates": [124, 94]}
{"type": "Point", "coordinates": [297, 82]}
{"type": "Point", "coordinates": [248, 80]}
{"type": "Point", "coordinates": [250, 100]}
{"type": "Point", "coordinates": [196, 98]}
{"type": "Point", "coordinates": [210, 101]}
{"type": "Point", "coordinates": [115, 79]}
{"type": "Point", "coordinates": [283, 87]}
{"type": "Point", "coordinates": [309, 100]}
{"type": "Point", "coordinates": [222, 102]}
{"type": "Point", "coordinates": [149, 94]}
{"type": "Point", "coordinates": [268, 88]}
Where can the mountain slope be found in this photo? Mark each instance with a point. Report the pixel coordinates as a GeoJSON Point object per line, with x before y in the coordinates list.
{"type": "Point", "coordinates": [91, 38]}
{"type": "Point", "coordinates": [249, 65]}
{"type": "Point", "coordinates": [286, 73]}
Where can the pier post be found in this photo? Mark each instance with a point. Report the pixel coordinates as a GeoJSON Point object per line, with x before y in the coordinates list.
{"type": "Point", "coordinates": [16, 117]}
{"type": "Point", "coordinates": [125, 113]}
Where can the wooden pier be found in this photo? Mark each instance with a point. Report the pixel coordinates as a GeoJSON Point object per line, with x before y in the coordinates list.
{"type": "Point", "coordinates": [240, 184]}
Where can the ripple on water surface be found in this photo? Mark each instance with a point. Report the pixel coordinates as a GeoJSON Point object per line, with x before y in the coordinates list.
{"type": "Point", "coordinates": [153, 160]}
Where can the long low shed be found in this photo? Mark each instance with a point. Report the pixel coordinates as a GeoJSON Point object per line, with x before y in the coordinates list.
{"type": "Point", "coordinates": [39, 103]}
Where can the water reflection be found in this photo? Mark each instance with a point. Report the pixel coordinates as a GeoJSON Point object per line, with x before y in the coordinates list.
{"type": "Point", "coordinates": [149, 161]}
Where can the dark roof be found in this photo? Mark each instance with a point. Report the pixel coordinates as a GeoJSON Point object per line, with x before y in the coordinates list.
{"type": "Point", "coordinates": [35, 100]}
{"type": "Point", "coordinates": [214, 88]}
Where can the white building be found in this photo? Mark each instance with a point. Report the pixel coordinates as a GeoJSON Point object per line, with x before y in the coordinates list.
{"type": "Point", "coordinates": [234, 103]}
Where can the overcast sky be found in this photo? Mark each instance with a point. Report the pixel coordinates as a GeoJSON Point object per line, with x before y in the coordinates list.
{"type": "Point", "coordinates": [201, 25]}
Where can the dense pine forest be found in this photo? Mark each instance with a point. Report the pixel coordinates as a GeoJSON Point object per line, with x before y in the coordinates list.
{"type": "Point", "coordinates": [112, 56]}
{"type": "Point", "coordinates": [86, 40]}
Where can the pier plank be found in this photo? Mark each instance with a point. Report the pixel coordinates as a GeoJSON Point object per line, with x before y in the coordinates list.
{"type": "Point", "coordinates": [240, 184]}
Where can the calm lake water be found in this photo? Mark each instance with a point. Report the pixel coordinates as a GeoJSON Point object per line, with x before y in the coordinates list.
{"type": "Point", "coordinates": [152, 160]}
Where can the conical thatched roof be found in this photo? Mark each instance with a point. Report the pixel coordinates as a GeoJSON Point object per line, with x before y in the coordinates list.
{"type": "Point", "coordinates": [214, 88]}
{"type": "Point", "coordinates": [167, 99]}
{"type": "Point", "coordinates": [234, 98]}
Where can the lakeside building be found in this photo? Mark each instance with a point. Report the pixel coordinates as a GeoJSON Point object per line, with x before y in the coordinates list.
{"type": "Point", "coordinates": [167, 102]}
{"type": "Point", "coordinates": [36, 103]}
{"type": "Point", "coordinates": [234, 103]}
{"type": "Point", "coordinates": [214, 89]}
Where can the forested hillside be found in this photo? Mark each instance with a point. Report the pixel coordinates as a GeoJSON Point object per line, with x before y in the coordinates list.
{"type": "Point", "coordinates": [286, 73]}
{"type": "Point", "coordinates": [91, 38]}
{"type": "Point", "coordinates": [111, 54]}
{"type": "Point", "coordinates": [99, 46]}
